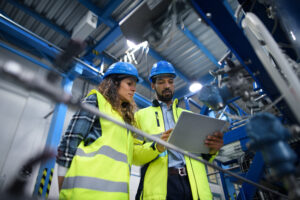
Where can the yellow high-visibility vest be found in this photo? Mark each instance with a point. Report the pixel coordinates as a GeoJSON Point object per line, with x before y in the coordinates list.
{"type": "Point", "coordinates": [101, 170]}
{"type": "Point", "coordinates": [150, 120]}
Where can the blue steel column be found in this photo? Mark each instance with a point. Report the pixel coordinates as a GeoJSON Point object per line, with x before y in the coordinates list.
{"type": "Point", "coordinates": [8, 28]}
{"type": "Point", "coordinates": [192, 101]}
{"type": "Point", "coordinates": [187, 105]}
{"type": "Point", "coordinates": [254, 173]}
{"type": "Point", "coordinates": [228, 187]}
{"type": "Point", "coordinates": [54, 134]}
{"type": "Point", "coordinates": [195, 40]}
{"type": "Point", "coordinates": [21, 54]}
{"type": "Point", "coordinates": [204, 110]}
{"type": "Point", "coordinates": [224, 185]}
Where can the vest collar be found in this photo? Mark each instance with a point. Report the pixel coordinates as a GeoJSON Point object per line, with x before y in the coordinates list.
{"type": "Point", "coordinates": [156, 103]}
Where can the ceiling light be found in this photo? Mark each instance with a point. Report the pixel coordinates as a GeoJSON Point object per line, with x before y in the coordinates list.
{"type": "Point", "coordinates": [195, 87]}
{"type": "Point", "coordinates": [134, 47]}
{"type": "Point", "coordinates": [131, 44]}
{"type": "Point", "coordinates": [293, 36]}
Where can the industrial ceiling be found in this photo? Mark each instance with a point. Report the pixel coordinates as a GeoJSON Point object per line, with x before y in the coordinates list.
{"type": "Point", "coordinates": [193, 48]}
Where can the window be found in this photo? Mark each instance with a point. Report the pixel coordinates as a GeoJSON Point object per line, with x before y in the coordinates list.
{"type": "Point", "coordinates": [212, 175]}
{"type": "Point", "coordinates": [237, 188]}
{"type": "Point", "coordinates": [216, 196]}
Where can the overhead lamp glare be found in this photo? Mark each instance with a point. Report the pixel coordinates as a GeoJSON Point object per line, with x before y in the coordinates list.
{"type": "Point", "coordinates": [131, 44]}
{"type": "Point", "coordinates": [195, 87]}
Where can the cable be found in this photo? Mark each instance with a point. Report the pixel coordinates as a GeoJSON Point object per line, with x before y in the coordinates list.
{"type": "Point", "coordinates": [168, 34]}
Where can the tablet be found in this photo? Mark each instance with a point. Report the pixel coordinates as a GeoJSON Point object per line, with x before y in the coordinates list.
{"type": "Point", "coordinates": [192, 129]}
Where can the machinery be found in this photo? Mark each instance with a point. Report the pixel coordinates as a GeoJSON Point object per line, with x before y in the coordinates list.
{"type": "Point", "coordinates": [267, 134]}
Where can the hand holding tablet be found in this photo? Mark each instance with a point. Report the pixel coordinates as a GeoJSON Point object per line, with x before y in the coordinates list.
{"type": "Point", "coordinates": [197, 133]}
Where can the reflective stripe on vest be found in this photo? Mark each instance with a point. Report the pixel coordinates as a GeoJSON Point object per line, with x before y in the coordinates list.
{"type": "Point", "coordinates": [104, 150]}
{"type": "Point", "coordinates": [92, 183]}
{"type": "Point", "coordinates": [101, 170]}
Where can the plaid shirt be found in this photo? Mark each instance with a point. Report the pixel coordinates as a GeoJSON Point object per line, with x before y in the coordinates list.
{"type": "Point", "coordinates": [83, 126]}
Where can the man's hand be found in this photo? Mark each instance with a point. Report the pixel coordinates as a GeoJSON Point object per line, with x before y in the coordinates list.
{"type": "Point", "coordinates": [164, 137]}
{"type": "Point", "coordinates": [214, 142]}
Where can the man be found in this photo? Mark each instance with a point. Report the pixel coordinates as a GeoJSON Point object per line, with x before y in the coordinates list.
{"type": "Point", "coordinates": [171, 175]}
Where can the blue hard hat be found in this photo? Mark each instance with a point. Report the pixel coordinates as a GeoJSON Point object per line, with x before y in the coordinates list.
{"type": "Point", "coordinates": [122, 68]}
{"type": "Point", "coordinates": [162, 67]}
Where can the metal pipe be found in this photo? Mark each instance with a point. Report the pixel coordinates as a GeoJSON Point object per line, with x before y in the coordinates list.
{"type": "Point", "coordinates": [224, 57]}
{"type": "Point", "coordinates": [260, 97]}
{"type": "Point", "coordinates": [29, 32]}
{"type": "Point", "coordinates": [7, 47]}
{"type": "Point", "coordinates": [216, 172]}
{"type": "Point", "coordinates": [240, 121]}
{"type": "Point", "coordinates": [39, 84]}
{"type": "Point", "coordinates": [192, 101]}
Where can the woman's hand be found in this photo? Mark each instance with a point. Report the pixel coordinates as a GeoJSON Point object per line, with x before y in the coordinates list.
{"type": "Point", "coordinates": [164, 137]}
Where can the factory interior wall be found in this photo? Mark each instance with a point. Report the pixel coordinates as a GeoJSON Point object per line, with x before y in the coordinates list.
{"type": "Point", "coordinates": [24, 127]}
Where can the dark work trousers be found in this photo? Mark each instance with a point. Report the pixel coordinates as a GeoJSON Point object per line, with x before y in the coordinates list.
{"type": "Point", "coordinates": [178, 188]}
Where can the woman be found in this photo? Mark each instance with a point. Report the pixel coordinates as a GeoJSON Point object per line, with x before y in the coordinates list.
{"type": "Point", "coordinates": [95, 155]}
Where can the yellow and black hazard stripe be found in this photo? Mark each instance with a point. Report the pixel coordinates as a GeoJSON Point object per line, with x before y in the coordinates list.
{"type": "Point", "coordinates": [95, 52]}
{"type": "Point", "coordinates": [49, 183]}
{"type": "Point", "coordinates": [43, 182]}
{"type": "Point", "coordinates": [40, 192]}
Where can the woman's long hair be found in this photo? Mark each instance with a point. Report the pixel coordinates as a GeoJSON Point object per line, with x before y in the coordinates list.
{"type": "Point", "coordinates": [109, 89]}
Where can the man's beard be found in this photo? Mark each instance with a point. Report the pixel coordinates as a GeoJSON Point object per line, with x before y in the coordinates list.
{"type": "Point", "coordinates": [165, 97]}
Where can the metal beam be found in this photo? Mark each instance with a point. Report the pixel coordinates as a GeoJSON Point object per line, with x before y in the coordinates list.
{"type": "Point", "coordinates": [53, 138]}
{"type": "Point", "coordinates": [141, 101]}
{"type": "Point", "coordinates": [110, 7]}
{"type": "Point", "coordinates": [21, 54]}
{"type": "Point", "coordinates": [8, 27]}
{"type": "Point", "coordinates": [241, 111]}
{"type": "Point", "coordinates": [194, 39]}
{"type": "Point", "coordinates": [227, 186]}
{"type": "Point", "coordinates": [185, 92]}
{"type": "Point", "coordinates": [255, 173]}
{"type": "Point", "coordinates": [187, 105]}
{"type": "Point", "coordinates": [40, 18]}
{"type": "Point", "coordinates": [31, 40]}
{"type": "Point", "coordinates": [229, 8]}
{"type": "Point", "coordinates": [103, 15]}
{"type": "Point", "coordinates": [111, 36]}
{"type": "Point", "coordinates": [155, 55]}
{"type": "Point", "coordinates": [237, 134]}
{"type": "Point", "coordinates": [192, 101]}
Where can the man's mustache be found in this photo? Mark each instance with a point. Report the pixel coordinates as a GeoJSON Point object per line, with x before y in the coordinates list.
{"type": "Point", "coordinates": [166, 90]}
